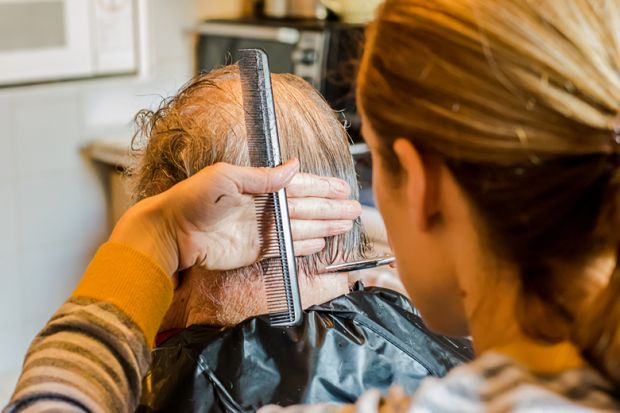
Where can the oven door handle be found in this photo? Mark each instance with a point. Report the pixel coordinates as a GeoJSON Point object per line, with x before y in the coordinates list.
{"type": "Point", "coordinates": [278, 34]}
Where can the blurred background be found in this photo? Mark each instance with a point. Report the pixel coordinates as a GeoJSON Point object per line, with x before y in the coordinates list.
{"type": "Point", "coordinates": [73, 73]}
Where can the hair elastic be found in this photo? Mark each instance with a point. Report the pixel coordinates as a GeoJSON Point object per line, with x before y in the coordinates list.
{"type": "Point", "coordinates": [615, 134]}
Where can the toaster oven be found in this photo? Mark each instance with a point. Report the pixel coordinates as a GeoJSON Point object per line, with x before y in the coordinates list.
{"type": "Point", "coordinates": [324, 53]}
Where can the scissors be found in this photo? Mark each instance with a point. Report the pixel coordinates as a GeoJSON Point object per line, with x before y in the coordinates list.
{"type": "Point", "coordinates": [360, 265]}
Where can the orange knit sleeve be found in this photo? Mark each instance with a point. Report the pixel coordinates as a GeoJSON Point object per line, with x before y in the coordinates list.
{"type": "Point", "coordinates": [132, 282]}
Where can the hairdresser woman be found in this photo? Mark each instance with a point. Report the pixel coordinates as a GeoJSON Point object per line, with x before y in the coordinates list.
{"type": "Point", "coordinates": [494, 127]}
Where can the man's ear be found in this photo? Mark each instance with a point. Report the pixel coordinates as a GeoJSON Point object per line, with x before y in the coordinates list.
{"type": "Point", "coordinates": [420, 183]}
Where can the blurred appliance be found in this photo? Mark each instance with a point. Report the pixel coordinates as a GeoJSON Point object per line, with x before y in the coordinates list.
{"type": "Point", "coordinates": [324, 53]}
{"type": "Point", "coordinates": [43, 40]}
{"type": "Point", "coordinates": [294, 9]}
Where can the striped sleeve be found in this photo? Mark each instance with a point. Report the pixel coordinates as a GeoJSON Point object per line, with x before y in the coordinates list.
{"type": "Point", "coordinates": [92, 354]}
{"type": "Point", "coordinates": [89, 358]}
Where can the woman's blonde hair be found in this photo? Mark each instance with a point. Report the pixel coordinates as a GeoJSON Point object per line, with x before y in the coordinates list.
{"type": "Point", "coordinates": [521, 100]}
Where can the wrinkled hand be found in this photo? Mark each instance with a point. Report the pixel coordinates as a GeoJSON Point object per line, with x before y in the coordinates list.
{"type": "Point", "coordinates": [209, 219]}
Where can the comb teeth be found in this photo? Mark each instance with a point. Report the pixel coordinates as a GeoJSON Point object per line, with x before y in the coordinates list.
{"type": "Point", "coordinates": [260, 117]}
{"type": "Point", "coordinates": [277, 288]}
{"type": "Point", "coordinates": [279, 276]}
{"type": "Point", "coordinates": [266, 215]}
{"type": "Point", "coordinates": [279, 291]}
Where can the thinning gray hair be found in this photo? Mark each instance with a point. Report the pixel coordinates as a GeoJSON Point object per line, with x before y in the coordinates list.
{"type": "Point", "coordinates": [204, 124]}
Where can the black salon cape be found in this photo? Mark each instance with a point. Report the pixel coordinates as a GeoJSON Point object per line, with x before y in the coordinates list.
{"type": "Point", "coordinates": [365, 339]}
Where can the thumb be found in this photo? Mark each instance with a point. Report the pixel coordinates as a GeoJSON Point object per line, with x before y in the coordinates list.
{"type": "Point", "coordinates": [265, 180]}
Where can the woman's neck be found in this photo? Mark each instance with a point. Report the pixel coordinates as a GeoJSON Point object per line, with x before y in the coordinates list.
{"type": "Point", "coordinates": [494, 325]}
{"type": "Point", "coordinates": [491, 315]}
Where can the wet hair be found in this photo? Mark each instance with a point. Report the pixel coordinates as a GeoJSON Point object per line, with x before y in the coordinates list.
{"type": "Point", "coordinates": [520, 100]}
{"type": "Point", "coordinates": [204, 124]}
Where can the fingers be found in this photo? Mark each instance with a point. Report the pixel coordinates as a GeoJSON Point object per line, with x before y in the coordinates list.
{"type": "Point", "coordinates": [308, 246]}
{"type": "Point", "coordinates": [323, 209]}
{"type": "Point", "coordinates": [264, 180]}
{"type": "Point", "coordinates": [308, 229]}
{"type": "Point", "coordinates": [261, 180]}
{"type": "Point", "coordinates": [307, 185]}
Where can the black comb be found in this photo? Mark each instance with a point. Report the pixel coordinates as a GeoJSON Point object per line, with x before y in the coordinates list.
{"type": "Point", "coordinates": [278, 264]}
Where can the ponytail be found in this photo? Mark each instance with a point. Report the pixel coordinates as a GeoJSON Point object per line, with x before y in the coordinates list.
{"type": "Point", "coordinates": [597, 328]}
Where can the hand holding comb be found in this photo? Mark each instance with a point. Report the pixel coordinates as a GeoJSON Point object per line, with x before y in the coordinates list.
{"type": "Point", "coordinates": [280, 272]}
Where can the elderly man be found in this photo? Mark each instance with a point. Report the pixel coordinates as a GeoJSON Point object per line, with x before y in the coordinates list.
{"type": "Point", "coordinates": [215, 351]}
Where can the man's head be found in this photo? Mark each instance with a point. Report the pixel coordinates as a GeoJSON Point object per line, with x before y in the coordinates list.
{"type": "Point", "coordinates": [204, 124]}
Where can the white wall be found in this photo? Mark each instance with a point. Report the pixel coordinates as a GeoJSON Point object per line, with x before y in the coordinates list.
{"type": "Point", "coordinates": [52, 199]}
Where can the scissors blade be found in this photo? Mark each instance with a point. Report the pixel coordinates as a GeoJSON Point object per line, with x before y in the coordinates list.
{"type": "Point", "coordinates": [360, 265]}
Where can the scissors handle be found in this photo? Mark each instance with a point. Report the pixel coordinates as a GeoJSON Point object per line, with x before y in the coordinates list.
{"type": "Point", "coordinates": [360, 265]}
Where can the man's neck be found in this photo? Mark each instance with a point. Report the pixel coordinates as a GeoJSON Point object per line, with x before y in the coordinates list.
{"type": "Point", "coordinates": [213, 299]}
{"type": "Point", "coordinates": [321, 288]}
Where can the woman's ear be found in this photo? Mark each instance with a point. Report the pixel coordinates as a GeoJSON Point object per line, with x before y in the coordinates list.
{"type": "Point", "coordinates": [420, 183]}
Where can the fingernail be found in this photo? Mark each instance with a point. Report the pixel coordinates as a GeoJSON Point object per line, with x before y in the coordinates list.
{"type": "Point", "coordinates": [318, 244]}
{"type": "Point", "coordinates": [287, 171]}
{"type": "Point", "coordinates": [293, 164]}
{"type": "Point", "coordinates": [357, 208]}
{"type": "Point", "coordinates": [345, 226]}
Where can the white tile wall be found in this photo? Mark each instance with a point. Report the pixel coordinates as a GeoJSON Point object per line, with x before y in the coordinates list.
{"type": "Point", "coordinates": [12, 320]}
{"type": "Point", "coordinates": [10, 293]}
{"type": "Point", "coordinates": [51, 209]}
{"type": "Point", "coordinates": [7, 382]}
{"type": "Point", "coordinates": [13, 356]}
{"type": "Point", "coordinates": [53, 212]}
{"type": "Point", "coordinates": [46, 123]}
{"type": "Point", "coordinates": [48, 275]}
{"type": "Point", "coordinates": [6, 145]}
{"type": "Point", "coordinates": [8, 218]}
